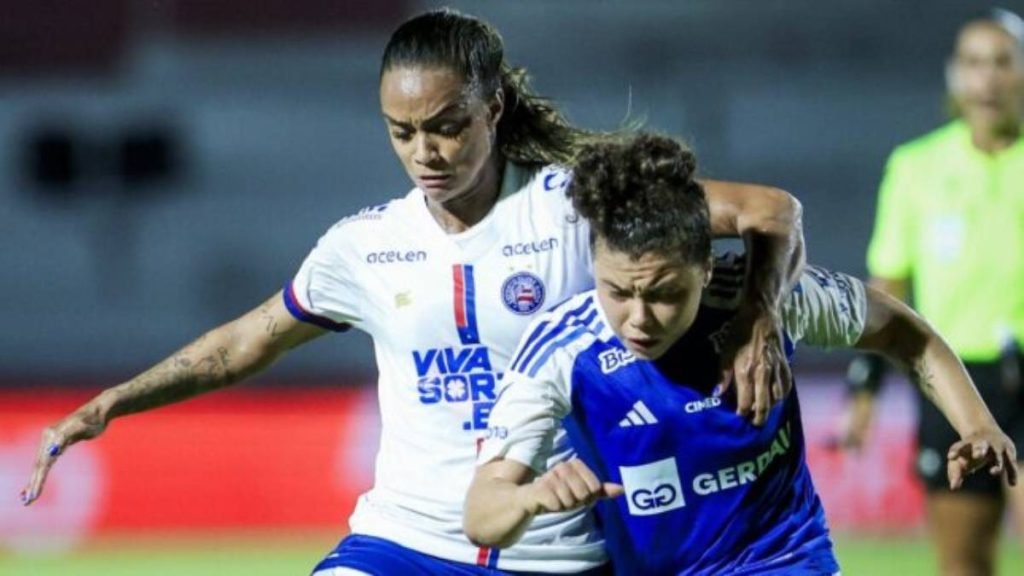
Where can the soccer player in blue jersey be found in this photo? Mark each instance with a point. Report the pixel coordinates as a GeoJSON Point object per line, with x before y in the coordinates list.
{"type": "Point", "coordinates": [682, 485]}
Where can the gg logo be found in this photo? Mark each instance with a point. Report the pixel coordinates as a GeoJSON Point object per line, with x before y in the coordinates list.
{"type": "Point", "coordinates": [662, 495]}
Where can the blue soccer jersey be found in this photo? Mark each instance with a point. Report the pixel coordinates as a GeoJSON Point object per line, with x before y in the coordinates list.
{"type": "Point", "coordinates": [706, 492]}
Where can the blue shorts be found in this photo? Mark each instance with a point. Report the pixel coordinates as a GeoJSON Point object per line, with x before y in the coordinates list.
{"type": "Point", "coordinates": [381, 557]}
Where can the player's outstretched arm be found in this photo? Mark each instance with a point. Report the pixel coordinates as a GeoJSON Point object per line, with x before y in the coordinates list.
{"type": "Point", "coordinates": [223, 356]}
{"type": "Point", "coordinates": [504, 497]}
{"type": "Point", "coordinates": [864, 379]}
{"type": "Point", "coordinates": [896, 331]}
{"type": "Point", "coordinates": [770, 222]}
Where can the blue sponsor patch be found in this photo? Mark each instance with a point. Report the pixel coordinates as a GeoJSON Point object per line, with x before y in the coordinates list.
{"type": "Point", "coordinates": [523, 293]}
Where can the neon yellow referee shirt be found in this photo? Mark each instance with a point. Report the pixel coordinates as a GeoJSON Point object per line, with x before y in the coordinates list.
{"type": "Point", "coordinates": [951, 219]}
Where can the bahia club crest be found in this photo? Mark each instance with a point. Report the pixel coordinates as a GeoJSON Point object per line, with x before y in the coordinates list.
{"type": "Point", "coordinates": [523, 293]}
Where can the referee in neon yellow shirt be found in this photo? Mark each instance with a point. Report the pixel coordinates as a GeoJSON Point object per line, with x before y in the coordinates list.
{"type": "Point", "coordinates": [950, 225]}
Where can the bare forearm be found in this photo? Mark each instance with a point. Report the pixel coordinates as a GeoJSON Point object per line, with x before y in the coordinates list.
{"type": "Point", "coordinates": [494, 515]}
{"type": "Point", "coordinates": [896, 331]}
{"type": "Point", "coordinates": [774, 263]}
{"type": "Point", "coordinates": [223, 356]}
{"type": "Point", "coordinates": [944, 381]}
{"type": "Point", "coordinates": [208, 363]}
{"type": "Point", "coordinates": [774, 239]}
{"type": "Point", "coordinates": [219, 358]}
{"type": "Point", "coordinates": [504, 497]}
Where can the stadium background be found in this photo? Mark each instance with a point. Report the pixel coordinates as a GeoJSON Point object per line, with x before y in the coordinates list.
{"type": "Point", "coordinates": [166, 165]}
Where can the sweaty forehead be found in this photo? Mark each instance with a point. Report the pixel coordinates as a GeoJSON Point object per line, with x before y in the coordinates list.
{"type": "Point", "coordinates": [413, 95]}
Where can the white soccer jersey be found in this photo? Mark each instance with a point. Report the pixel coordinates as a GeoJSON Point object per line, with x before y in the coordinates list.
{"type": "Point", "coordinates": [445, 312]}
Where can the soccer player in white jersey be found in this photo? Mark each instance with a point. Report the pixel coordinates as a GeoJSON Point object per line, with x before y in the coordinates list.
{"type": "Point", "coordinates": [444, 280]}
{"type": "Point", "coordinates": [682, 484]}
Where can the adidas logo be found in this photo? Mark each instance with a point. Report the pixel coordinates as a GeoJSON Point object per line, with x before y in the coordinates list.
{"type": "Point", "coordinates": [638, 415]}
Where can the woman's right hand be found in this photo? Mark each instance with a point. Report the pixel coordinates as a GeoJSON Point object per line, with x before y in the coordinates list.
{"type": "Point", "coordinates": [221, 357]}
{"type": "Point", "coordinates": [87, 422]}
{"type": "Point", "coordinates": [567, 486]}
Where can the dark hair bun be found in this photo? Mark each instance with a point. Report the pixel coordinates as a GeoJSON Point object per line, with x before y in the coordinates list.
{"type": "Point", "coordinates": [639, 193]}
{"type": "Point", "coordinates": [608, 174]}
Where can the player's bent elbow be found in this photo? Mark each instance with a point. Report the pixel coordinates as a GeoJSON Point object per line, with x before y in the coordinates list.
{"type": "Point", "coordinates": [489, 538]}
{"type": "Point", "coordinates": [482, 531]}
{"type": "Point", "coordinates": [786, 208]}
{"type": "Point", "coordinates": [476, 529]}
{"type": "Point", "coordinates": [476, 537]}
{"type": "Point", "coordinates": [773, 211]}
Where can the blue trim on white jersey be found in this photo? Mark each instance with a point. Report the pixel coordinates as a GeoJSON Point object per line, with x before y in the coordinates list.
{"type": "Point", "coordinates": [291, 302]}
{"type": "Point", "coordinates": [561, 342]}
{"type": "Point", "coordinates": [571, 328]}
{"type": "Point", "coordinates": [544, 333]}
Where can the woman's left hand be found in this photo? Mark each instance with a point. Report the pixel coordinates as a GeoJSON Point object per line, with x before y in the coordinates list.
{"type": "Point", "coordinates": [988, 447]}
{"type": "Point", "coordinates": [755, 358]}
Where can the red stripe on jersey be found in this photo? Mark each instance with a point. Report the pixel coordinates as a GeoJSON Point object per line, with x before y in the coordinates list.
{"type": "Point", "coordinates": [460, 296]}
{"type": "Point", "coordinates": [481, 556]}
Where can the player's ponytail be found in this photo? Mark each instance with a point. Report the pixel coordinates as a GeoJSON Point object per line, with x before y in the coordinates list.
{"type": "Point", "coordinates": [531, 130]}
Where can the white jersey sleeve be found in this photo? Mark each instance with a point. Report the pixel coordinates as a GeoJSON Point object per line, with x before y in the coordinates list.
{"type": "Point", "coordinates": [536, 393]}
{"type": "Point", "coordinates": [527, 415]}
{"type": "Point", "coordinates": [826, 309]}
{"type": "Point", "coordinates": [326, 290]}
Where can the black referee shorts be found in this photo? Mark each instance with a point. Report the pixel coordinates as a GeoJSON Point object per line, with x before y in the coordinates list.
{"type": "Point", "coordinates": [935, 435]}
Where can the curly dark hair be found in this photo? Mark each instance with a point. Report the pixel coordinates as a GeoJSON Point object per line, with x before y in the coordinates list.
{"type": "Point", "coordinates": [531, 131]}
{"type": "Point", "coordinates": [640, 195]}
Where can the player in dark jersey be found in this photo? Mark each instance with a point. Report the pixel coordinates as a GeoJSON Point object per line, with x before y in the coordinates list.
{"type": "Point", "coordinates": [683, 485]}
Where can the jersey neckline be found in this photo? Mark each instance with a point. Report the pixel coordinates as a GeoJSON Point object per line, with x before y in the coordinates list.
{"type": "Point", "coordinates": [514, 177]}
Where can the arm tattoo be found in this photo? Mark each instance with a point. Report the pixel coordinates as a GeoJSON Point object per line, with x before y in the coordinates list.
{"type": "Point", "coordinates": [182, 376]}
{"type": "Point", "coordinates": [269, 322]}
{"type": "Point", "coordinates": [921, 375]}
